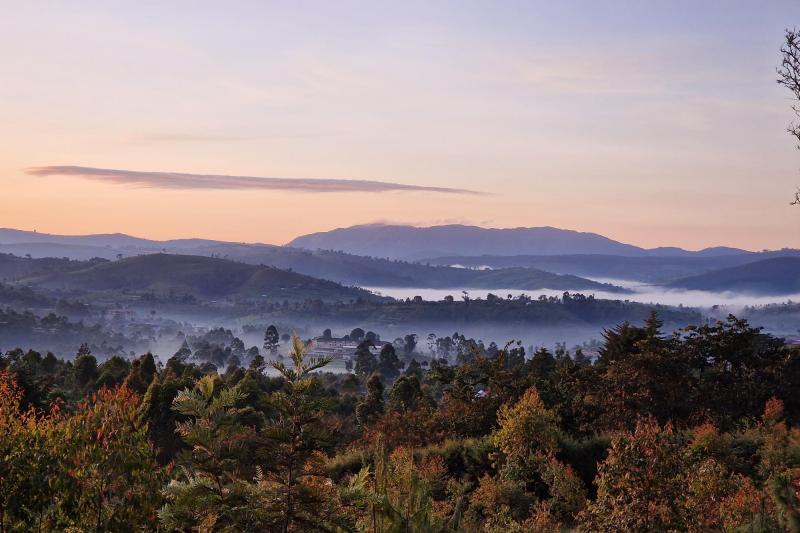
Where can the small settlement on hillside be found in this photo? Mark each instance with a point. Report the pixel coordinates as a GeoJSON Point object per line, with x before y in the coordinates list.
{"type": "Point", "coordinates": [342, 348]}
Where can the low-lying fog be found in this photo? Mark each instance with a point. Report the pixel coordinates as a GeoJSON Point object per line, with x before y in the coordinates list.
{"type": "Point", "coordinates": [547, 335]}
{"type": "Point", "coordinates": [644, 293]}
{"type": "Point", "coordinates": [726, 302]}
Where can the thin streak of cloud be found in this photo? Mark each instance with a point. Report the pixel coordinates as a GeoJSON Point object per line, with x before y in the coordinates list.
{"type": "Point", "coordinates": [214, 137]}
{"type": "Point", "coordinates": [181, 181]}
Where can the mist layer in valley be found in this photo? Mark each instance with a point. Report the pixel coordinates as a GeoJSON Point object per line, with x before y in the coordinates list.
{"type": "Point", "coordinates": [762, 309]}
{"type": "Point", "coordinates": [640, 292]}
{"type": "Point", "coordinates": [164, 290]}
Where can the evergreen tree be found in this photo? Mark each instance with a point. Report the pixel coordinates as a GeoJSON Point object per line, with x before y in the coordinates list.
{"type": "Point", "coordinates": [271, 340]}
{"type": "Point", "coordinates": [388, 362]}
{"type": "Point", "coordinates": [406, 393]}
{"type": "Point", "coordinates": [369, 410]}
{"type": "Point", "coordinates": [213, 492]}
{"type": "Point", "coordinates": [85, 368]}
{"type": "Point", "coordinates": [142, 372]}
{"type": "Point", "coordinates": [294, 482]}
{"type": "Point", "coordinates": [366, 362]}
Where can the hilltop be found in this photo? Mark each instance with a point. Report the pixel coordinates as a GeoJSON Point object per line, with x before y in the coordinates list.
{"type": "Point", "coordinates": [340, 267]}
{"type": "Point", "coordinates": [779, 275]}
{"type": "Point", "coordinates": [204, 277]}
{"type": "Point", "coordinates": [410, 242]}
{"type": "Point", "coordinates": [13, 267]}
{"type": "Point", "coordinates": [405, 256]}
{"type": "Point", "coordinates": [646, 269]}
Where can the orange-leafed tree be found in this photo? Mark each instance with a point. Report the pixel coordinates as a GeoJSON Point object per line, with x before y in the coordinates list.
{"type": "Point", "coordinates": [640, 484]}
{"type": "Point", "coordinates": [112, 481]}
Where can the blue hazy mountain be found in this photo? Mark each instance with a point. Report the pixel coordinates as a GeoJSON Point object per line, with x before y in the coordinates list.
{"type": "Point", "coordinates": [778, 275]}
{"type": "Point", "coordinates": [414, 243]}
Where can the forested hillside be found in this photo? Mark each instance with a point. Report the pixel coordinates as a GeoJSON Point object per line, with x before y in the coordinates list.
{"type": "Point", "coordinates": [780, 275]}
{"type": "Point", "coordinates": [659, 433]}
{"type": "Point", "coordinates": [333, 266]}
{"type": "Point", "coordinates": [662, 269]}
{"type": "Point", "coordinates": [201, 276]}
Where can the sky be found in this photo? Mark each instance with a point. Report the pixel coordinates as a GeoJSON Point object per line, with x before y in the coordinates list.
{"type": "Point", "coordinates": [653, 123]}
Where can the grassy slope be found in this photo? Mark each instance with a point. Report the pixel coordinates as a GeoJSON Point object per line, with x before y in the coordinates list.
{"type": "Point", "coordinates": [201, 276]}
{"type": "Point", "coordinates": [13, 267]}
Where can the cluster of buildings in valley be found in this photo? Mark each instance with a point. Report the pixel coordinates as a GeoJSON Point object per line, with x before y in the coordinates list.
{"type": "Point", "coordinates": [343, 348]}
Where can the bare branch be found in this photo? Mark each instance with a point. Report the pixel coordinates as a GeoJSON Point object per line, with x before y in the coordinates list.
{"type": "Point", "coordinates": [789, 77]}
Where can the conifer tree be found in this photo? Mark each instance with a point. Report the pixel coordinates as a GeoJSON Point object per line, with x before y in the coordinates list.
{"type": "Point", "coordinates": [294, 484]}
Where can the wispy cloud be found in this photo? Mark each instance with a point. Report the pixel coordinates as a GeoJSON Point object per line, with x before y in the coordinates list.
{"type": "Point", "coordinates": [181, 181]}
{"type": "Point", "coordinates": [179, 136]}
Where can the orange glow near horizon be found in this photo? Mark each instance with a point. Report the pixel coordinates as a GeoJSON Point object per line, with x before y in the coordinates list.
{"type": "Point", "coordinates": [683, 144]}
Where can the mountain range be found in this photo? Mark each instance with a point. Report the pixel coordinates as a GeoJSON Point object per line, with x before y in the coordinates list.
{"type": "Point", "coordinates": [342, 268]}
{"type": "Point", "coordinates": [334, 256]}
{"type": "Point", "coordinates": [414, 243]}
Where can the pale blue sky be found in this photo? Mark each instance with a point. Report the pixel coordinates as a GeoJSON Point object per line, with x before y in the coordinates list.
{"type": "Point", "coordinates": [656, 123]}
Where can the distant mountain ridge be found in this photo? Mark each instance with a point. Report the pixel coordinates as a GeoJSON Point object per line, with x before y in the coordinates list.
{"type": "Point", "coordinates": [375, 240]}
{"type": "Point", "coordinates": [778, 275]}
{"type": "Point", "coordinates": [102, 240]}
{"type": "Point", "coordinates": [332, 266]}
{"type": "Point", "coordinates": [512, 269]}
{"type": "Point", "coordinates": [648, 269]}
{"type": "Point", "coordinates": [338, 267]}
{"type": "Point", "coordinates": [414, 243]}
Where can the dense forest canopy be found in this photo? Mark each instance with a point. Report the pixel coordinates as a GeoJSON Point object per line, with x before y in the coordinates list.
{"type": "Point", "coordinates": [695, 430]}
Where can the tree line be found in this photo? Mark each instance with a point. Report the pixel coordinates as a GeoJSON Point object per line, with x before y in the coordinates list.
{"type": "Point", "coordinates": [696, 430]}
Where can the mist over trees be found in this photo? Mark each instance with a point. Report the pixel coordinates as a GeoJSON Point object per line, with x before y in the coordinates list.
{"type": "Point", "coordinates": [690, 431]}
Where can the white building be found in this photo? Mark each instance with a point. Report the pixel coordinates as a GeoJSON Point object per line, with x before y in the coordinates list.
{"type": "Point", "coordinates": [339, 348]}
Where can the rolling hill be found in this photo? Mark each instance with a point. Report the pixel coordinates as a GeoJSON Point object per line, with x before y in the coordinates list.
{"type": "Point", "coordinates": [13, 267]}
{"type": "Point", "coordinates": [775, 276]}
{"type": "Point", "coordinates": [340, 267]}
{"type": "Point", "coordinates": [658, 265]}
{"type": "Point", "coordinates": [528, 279]}
{"type": "Point", "coordinates": [372, 272]}
{"type": "Point", "coordinates": [644, 269]}
{"type": "Point", "coordinates": [204, 277]}
{"type": "Point", "coordinates": [211, 276]}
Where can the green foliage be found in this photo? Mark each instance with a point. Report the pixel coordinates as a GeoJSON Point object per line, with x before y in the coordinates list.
{"type": "Point", "coordinates": [294, 473]}
{"type": "Point", "coordinates": [527, 428]}
{"type": "Point", "coordinates": [369, 410]}
{"type": "Point", "coordinates": [396, 495]}
{"type": "Point", "coordinates": [694, 431]}
{"type": "Point", "coordinates": [271, 340]}
{"type": "Point", "coordinates": [85, 369]}
{"type": "Point", "coordinates": [366, 362]}
{"type": "Point", "coordinates": [406, 393]}
{"type": "Point", "coordinates": [388, 362]}
{"type": "Point", "coordinates": [211, 492]}
{"type": "Point", "coordinates": [94, 470]}
{"type": "Point", "coordinates": [112, 473]}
